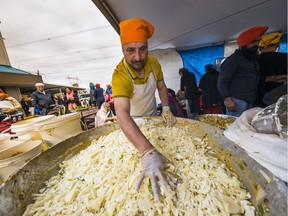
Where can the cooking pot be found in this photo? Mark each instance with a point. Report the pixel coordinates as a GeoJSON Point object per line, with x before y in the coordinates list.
{"type": "Point", "coordinates": [267, 190]}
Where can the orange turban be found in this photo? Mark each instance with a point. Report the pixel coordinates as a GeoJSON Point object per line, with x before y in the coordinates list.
{"type": "Point", "coordinates": [97, 85]}
{"type": "Point", "coordinates": [135, 30]}
{"type": "Point", "coordinates": [251, 34]}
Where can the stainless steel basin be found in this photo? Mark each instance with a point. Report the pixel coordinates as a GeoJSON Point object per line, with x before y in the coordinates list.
{"type": "Point", "coordinates": [15, 194]}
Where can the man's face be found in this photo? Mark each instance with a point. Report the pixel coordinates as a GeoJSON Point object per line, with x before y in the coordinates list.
{"type": "Point", "coordinates": [40, 88]}
{"type": "Point", "coordinates": [251, 50]}
{"type": "Point", "coordinates": [254, 45]}
{"type": "Point", "coordinates": [135, 53]}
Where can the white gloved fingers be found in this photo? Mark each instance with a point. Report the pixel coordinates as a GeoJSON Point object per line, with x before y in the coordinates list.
{"type": "Point", "coordinates": [153, 163]}
{"type": "Point", "coordinates": [163, 182]}
{"type": "Point", "coordinates": [139, 182]}
{"type": "Point", "coordinates": [164, 118]}
{"type": "Point", "coordinates": [155, 188]}
{"type": "Point", "coordinates": [171, 121]}
{"type": "Point", "coordinates": [171, 177]}
{"type": "Point", "coordinates": [168, 118]}
{"type": "Point", "coordinates": [166, 161]}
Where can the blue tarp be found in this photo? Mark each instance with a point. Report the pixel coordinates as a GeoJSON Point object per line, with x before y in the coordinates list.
{"type": "Point", "coordinates": [196, 59]}
{"type": "Point", "coordinates": [283, 44]}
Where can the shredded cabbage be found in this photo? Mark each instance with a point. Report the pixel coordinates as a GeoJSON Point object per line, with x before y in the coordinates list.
{"type": "Point", "coordinates": [101, 179]}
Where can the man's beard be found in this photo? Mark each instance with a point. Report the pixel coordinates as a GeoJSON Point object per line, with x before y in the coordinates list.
{"type": "Point", "coordinates": [250, 53]}
{"type": "Point", "coordinates": [138, 65]}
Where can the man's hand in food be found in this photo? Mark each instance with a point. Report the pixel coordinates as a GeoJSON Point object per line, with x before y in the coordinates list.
{"type": "Point", "coordinates": [154, 163]}
{"type": "Point", "coordinates": [168, 116]}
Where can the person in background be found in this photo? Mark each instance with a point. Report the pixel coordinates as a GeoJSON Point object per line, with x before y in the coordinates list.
{"type": "Point", "coordinates": [9, 105]}
{"type": "Point", "coordinates": [98, 94]}
{"type": "Point", "coordinates": [211, 100]}
{"type": "Point", "coordinates": [104, 115]}
{"type": "Point", "coordinates": [273, 71]}
{"type": "Point", "coordinates": [109, 99]}
{"type": "Point", "coordinates": [71, 99]}
{"type": "Point", "coordinates": [59, 99]}
{"type": "Point", "coordinates": [26, 104]}
{"type": "Point", "coordinates": [134, 82]}
{"type": "Point", "coordinates": [174, 104]}
{"type": "Point", "coordinates": [188, 85]}
{"type": "Point", "coordinates": [41, 100]}
{"type": "Point", "coordinates": [91, 92]}
{"type": "Point", "coordinates": [105, 96]}
{"type": "Point", "coordinates": [108, 89]}
{"type": "Point", "coordinates": [239, 73]}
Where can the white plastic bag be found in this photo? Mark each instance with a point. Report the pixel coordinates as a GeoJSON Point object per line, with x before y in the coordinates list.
{"type": "Point", "coordinates": [269, 150]}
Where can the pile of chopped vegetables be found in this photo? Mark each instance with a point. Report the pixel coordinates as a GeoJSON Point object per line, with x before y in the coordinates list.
{"type": "Point", "coordinates": [218, 121]}
{"type": "Point", "coordinates": [101, 179]}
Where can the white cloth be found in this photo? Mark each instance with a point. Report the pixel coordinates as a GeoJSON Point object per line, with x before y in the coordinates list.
{"type": "Point", "coordinates": [269, 150]}
{"type": "Point", "coordinates": [143, 102]}
{"type": "Point", "coordinates": [101, 116]}
{"type": "Point", "coordinates": [6, 104]}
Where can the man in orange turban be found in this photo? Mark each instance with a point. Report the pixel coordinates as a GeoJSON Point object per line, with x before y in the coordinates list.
{"type": "Point", "coordinates": [239, 73]}
{"type": "Point", "coordinates": [134, 82]}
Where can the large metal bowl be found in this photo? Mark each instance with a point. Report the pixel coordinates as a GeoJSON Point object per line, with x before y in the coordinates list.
{"type": "Point", "coordinates": [15, 194]}
{"type": "Point", "coordinates": [219, 120]}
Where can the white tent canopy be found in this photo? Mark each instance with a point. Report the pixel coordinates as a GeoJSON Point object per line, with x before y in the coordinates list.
{"type": "Point", "coordinates": [71, 40]}
{"type": "Point", "coordinates": [185, 24]}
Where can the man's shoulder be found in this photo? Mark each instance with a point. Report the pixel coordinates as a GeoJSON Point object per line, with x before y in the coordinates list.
{"type": "Point", "coordinates": [152, 60]}
{"type": "Point", "coordinates": [34, 93]}
{"type": "Point", "coordinates": [234, 57]}
{"type": "Point", "coordinates": [236, 54]}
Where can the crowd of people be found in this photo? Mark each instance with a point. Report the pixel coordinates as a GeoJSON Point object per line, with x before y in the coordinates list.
{"type": "Point", "coordinates": [246, 78]}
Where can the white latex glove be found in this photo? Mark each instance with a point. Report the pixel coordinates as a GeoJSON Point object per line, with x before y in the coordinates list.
{"type": "Point", "coordinates": [153, 163]}
{"type": "Point", "coordinates": [168, 116]}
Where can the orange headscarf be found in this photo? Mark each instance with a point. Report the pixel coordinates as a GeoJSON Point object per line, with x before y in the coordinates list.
{"type": "Point", "coordinates": [135, 30]}
{"type": "Point", "coordinates": [251, 34]}
{"type": "Point", "coordinates": [3, 95]}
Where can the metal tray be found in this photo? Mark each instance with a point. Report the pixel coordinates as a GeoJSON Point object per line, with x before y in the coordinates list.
{"type": "Point", "coordinates": [216, 123]}
{"type": "Point", "coordinates": [15, 194]}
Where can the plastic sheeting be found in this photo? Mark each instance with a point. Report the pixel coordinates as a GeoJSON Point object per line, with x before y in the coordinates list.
{"type": "Point", "coordinates": [269, 150]}
{"type": "Point", "coordinates": [196, 59]}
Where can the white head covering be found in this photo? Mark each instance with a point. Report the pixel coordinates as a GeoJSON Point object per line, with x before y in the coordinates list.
{"type": "Point", "coordinates": [102, 114]}
{"type": "Point", "coordinates": [39, 84]}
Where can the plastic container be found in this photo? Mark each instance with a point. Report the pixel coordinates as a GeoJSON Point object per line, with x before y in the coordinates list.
{"type": "Point", "coordinates": [28, 126]}
{"type": "Point", "coordinates": [13, 140]}
{"type": "Point", "coordinates": [272, 119]}
{"type": "Point", "coordinates": [12, 159]}
{"type": "Point", "coordinates": [4, 137]}
{"type": "Point", "coordinates": [59, 128]}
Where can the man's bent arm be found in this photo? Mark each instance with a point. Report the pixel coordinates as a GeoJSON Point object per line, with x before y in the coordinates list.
{"type": "Point", "coordinates": [163, 93]}
{"type": "Point", "coordinates": [128, 125]}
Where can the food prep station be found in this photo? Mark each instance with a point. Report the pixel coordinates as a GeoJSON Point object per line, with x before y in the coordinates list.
{"type": "Point", "coordinates": [16, 192]}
